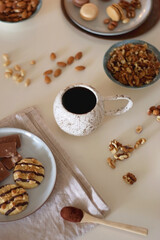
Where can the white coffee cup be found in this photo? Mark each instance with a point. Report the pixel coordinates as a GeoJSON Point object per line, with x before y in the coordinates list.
{"type": "Point", "coordinates": [79, 109]}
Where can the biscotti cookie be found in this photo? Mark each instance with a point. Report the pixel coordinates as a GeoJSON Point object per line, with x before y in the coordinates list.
{"type": "Point", "coordinates": [28, 173]}
{"type": "Point", "coordinates": [13, 199]}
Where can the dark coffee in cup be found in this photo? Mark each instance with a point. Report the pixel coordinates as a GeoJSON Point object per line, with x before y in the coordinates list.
{"type": "Point", "coordinates": [79, 100]}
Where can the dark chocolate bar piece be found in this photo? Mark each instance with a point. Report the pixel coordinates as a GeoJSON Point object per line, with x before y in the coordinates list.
{"type": "Point", "coordinates": [4, 173]}
{"type": "Point", "coordinates": [10, 162]}
{"type": "Point", "coordinates": [8, 149]}
{"type": "Point", "coordinates": [11, 138]}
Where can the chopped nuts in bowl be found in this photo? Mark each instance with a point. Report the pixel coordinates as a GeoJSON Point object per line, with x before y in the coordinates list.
{"type": "Point", "coordinates": [14, 11]}
{"type": "Point", "coordinates": [132, 63]}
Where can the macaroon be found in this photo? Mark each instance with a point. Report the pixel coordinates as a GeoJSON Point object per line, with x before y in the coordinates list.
{"type": "Point", "coordinates": [123, 16]}
{"type": "Point", "coordinates": [89, 11]}
{"type": "Point", "coordinates": [113, 13]}
{"type": "Point", "coordinates": [79, 3]}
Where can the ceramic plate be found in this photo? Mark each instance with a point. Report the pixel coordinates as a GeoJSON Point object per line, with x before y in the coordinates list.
{"type": "Point", "coordinates": [97, 26]}
{"type": "Point", "coordinates": [32, 146]}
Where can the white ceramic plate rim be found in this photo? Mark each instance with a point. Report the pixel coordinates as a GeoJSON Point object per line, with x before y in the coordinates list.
{"type": "Point", "coordinates": [32, 146]}
{"type": "Point", "coordinates": [141, 16]}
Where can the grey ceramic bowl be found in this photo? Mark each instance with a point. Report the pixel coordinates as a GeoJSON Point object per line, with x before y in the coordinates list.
{"type": "Point", "coordinates": [107, 57]}
{"type": "Point", "coordinates": [36, 11]}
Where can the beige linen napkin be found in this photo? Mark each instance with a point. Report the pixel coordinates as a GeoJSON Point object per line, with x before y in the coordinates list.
{"type": "Point", "coordinates": [71, 188]}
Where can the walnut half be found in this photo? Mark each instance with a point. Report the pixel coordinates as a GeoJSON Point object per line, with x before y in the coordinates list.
{"type": "Point", "coordinates": [129, 178]}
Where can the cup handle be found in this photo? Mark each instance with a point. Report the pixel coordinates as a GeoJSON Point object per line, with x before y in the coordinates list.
{"type": "Point", "coordinates": [119, 110]}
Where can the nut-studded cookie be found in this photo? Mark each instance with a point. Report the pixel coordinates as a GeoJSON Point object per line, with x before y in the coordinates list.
{"type": "Point", "coordinates": [28, 173]}
{"type": "Point", "coordinates": [13, 199]}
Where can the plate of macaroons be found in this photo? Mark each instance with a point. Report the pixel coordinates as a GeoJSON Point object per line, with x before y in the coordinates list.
{"type": "Point", "coordinates": [27, 173]}
{"type": "Point", "coordinates": [107, 17]}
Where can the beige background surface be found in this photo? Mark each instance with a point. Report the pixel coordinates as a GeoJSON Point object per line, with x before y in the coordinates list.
{"type": "Point", "coordinates": [50, 31]}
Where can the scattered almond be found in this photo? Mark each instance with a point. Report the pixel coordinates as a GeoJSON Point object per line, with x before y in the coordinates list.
{"type": "Point", "coordinates": [52, 56]}
{"type": "Point", "coordinates": [78, 55]}
{"type": "Point", "coordinates": [47, 79]}
{"type": "Point", "coordinates": [48, 72]}
{"type": "Point", "coordinates": [80, 68]}
{"type": "Point", "coordinates": [61, 64]}
{"type": "Point", "coordinates": [57, 72]}
{"type": "Point", "coordinates": [70, 60]}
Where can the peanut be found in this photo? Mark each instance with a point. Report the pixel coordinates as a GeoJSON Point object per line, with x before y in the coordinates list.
{"type": "Point", "coordinates": [6, 63]}
{"type": "Point", "coordinates": [22, 72]}
{"type": "Point", "coordinates": [9, 70]}
{"type": "Point", "coordinates": [17, 67]}
{"type": "Point", "coordinates": [7, 74]}
{"type": "Point", "coordinates": [27, 82]}
{"type": "Point", "coordinates": [5, 56]}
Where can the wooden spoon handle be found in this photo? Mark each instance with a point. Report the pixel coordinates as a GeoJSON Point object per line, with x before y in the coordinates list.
{"type": "Point", "coordinates": [127, 227]}
{"type": "Point", "coordinates": [122, 226]}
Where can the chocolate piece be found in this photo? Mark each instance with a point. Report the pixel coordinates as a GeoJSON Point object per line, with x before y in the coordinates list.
{"type": "Point", "coordinates": [10, 162]}
{"type": "Point", "coordinates": [4, 173]}
{"type": "Point", "coordinates": [11, 138]}
{"type": "Point", "coordinates": [8, 149]}
{"type": "Point", "coordinates": [72, 214]}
